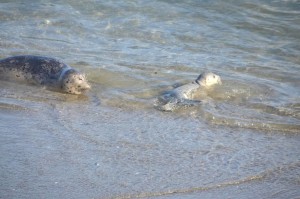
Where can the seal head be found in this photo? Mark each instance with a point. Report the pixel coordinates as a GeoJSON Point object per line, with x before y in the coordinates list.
{"type": "Point", "coordinates": [208, 79]}
{"type": "Point", "coordinates": [74, 82]}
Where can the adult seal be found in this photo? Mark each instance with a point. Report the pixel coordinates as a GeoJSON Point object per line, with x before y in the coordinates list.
{"type": "Point", "coordinates": [184, 94]}
{"type": "Point", "coordinates": [44, 71]}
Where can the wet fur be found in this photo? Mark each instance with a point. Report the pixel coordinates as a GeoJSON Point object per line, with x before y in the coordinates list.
{"type": "Point", "coordinates": [184, 94]}
{"type": "Point", "coordinates": [44, 71]}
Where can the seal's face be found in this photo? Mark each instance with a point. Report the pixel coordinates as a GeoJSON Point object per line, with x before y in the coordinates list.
{"type": "Point", "coordinates": [209, 79]}
{"type": "Point", "coordinates": [75, 83]}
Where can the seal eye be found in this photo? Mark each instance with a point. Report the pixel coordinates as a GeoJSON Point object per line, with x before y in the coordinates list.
{"type": "Point", "coordinates": [214, 76]}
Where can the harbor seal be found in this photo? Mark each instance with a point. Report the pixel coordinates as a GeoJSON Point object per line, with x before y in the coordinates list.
{"type": "Point", "coordinates": [44, 71]}
{"type": "Point", "coordinates": [184, 94]}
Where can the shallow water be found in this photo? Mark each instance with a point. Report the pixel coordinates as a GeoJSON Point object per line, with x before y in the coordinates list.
{"type": "Point", "coordinates": [241, 141]}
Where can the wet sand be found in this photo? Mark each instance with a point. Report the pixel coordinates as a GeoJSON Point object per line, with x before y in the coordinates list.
{"type": "Point", "coordinates": [61, 146]}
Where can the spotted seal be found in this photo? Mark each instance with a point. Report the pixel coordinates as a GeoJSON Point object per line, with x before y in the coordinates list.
{"type": "Point", "coordinates": [44, 71]}
{"type": "Point", "coordinates": [185, 93]}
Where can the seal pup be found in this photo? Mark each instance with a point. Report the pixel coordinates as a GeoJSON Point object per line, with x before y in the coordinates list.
{"type": "Point", "coordinates": [184, 94]}
{"type": "Point", "coordinates": [44, 71]}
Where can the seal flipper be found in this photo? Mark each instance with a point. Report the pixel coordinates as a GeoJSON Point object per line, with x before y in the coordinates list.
{"type": "Point", "coordinates": [169, 106]}
{"type": "Point", "coordinates": [174, 104]}
{"type": "Point", "coordinates": [189, 103]}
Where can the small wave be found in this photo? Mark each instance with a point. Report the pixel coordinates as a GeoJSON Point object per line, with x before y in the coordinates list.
{"type": "Point", "coordinates": [15, 107]}
{"type": "Point", "coordinates": [269, 173]}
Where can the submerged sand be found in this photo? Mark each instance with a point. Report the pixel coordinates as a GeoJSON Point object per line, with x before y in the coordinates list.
{"type": "Point", "coordinates": [55, 145]}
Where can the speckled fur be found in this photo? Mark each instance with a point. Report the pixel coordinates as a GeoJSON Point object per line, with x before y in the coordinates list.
{"type": "Point", "coordinates": [74, 82]}
{"type": "Point", "coordinates": [45, 71]}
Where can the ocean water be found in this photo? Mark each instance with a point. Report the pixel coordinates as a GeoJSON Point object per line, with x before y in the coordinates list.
{"type": "Point", "coordinates": [241, 141]}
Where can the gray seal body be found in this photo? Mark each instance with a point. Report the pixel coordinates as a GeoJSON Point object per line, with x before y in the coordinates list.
{"type": "Point", "coordinates": [44, 71]}
{"type": "Point", "coordinates": [184, 94]}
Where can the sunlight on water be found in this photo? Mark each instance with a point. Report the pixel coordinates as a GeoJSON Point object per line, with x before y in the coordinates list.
{"type": "Point", "coordinates": [238, 139]}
